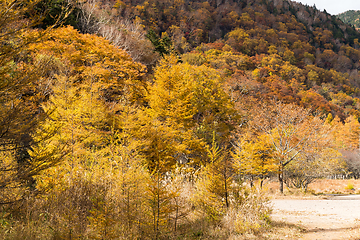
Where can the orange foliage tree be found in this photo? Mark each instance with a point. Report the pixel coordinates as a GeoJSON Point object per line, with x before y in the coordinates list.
{"type": "Point", "coordinates": [291, 130]}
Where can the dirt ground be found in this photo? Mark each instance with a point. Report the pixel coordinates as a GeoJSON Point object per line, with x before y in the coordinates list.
{"type": "Point", "coordinates": [330, 217]}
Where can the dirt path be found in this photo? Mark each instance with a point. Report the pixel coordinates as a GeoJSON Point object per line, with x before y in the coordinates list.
{"type": "Point", "coordinates": [337, 217]}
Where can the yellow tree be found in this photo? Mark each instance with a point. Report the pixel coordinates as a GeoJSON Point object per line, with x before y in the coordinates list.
{"type": "Point", "coordinates": [351, 133]}
{"type": "Point", "coordinates": [83, 131]}
{"type": "Point", "coordinates": [345, 135]}
{"type": "Point", "coordinates": [158, 143]}
{"type": "Point", "coordinates": [191, 103]}
{"type": "Point", "coordinates": [186, 105]}
{"type": "Point", "coordinates": [213, 188]}
{"type": "Point", "coordinates": [255, 157]}
{"type": "Point", "coordinates": [92, 85]}
{"type": "Point", "coordinates": [337, 131]}
{"type": "Point", "coordinates": [101, 182]}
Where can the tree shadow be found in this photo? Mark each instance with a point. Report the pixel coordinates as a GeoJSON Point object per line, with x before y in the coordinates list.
{"type": "Point", "coordinates": [283, 224]}
{"type": "Point", "coordinates": [341, 229]}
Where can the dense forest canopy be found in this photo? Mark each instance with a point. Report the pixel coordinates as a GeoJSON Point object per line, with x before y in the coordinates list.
{"type": "Point", "coordinates": [146, 119]}
{"type": "Point", "coordinates": [296, 44]}
{"type": "Point", "coordinates": [351, 17]}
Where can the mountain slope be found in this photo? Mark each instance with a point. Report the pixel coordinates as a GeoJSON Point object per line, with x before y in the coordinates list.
{"type": "Point", "coordinates": [288, 50]}
{"type": "Point", "coordinates": [351, 17]}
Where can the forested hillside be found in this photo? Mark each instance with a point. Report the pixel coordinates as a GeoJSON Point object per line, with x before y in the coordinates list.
{"type": "Point", "coordinates": [157, 119]}
{"type": "Point", "coordinates": [287, 39]}
{"type": "Point", "coordinates": [351, 17]}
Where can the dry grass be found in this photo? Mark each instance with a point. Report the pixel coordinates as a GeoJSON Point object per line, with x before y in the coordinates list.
{"type": "Point", "coordinates": [249, 220]}
{"type": "Point", "coordinates": [335, 186]}
{"type": "Point", "coordinates": [319, 187]}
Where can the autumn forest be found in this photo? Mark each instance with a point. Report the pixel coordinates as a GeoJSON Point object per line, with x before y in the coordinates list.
{"type": "Point", "coordinates": [164, 119]}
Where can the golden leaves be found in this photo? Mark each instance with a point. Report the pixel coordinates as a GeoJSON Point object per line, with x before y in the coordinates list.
{"type": "Point", "coordinates": [93, 59]}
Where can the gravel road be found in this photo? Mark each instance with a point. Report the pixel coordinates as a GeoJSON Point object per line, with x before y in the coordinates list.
{"type": "Point", "coordinates": [337, 217]}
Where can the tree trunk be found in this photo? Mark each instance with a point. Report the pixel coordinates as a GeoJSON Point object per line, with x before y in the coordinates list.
{"type": "Point", "coordinates": [281, 179]}
{"type": "Point", "coordinates": [225, 183]}
{"type": "Point", "coordinates": [226, 195]}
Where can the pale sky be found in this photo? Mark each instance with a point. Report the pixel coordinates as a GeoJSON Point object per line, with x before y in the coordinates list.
{"type": "Point", "coordinates": [333, 6]}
